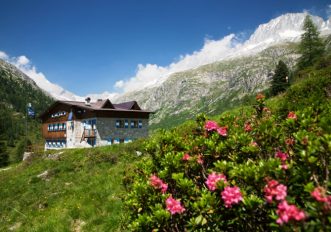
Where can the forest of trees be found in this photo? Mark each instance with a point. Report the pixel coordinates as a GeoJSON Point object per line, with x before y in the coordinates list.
{"type": "Point", "coordinates": [15, 127]}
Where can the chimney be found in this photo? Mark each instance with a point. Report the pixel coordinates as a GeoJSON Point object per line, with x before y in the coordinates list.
{"type": "Point", "coordinates": [88, 101]}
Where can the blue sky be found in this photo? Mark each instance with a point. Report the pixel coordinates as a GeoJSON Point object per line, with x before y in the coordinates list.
{"type": "Point", "coordinates": [87, 46]}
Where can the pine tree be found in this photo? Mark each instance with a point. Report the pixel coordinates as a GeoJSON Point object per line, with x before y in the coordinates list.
{"type": "Point", "coordinates": [311, 46]}
{"type": "Point", "coordinates": [280, 80]}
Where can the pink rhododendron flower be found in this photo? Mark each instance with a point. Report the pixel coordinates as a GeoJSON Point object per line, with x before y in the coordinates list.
{"type": "Point", "coordinates": [157, 183]}
{"type": "Point", "coordinates": [288, 212]}
{"type": "Point", "coordinates": [275, 190]}
{"type": "Point", "coordinates": [211, 125]}
{"type": "Point", "coordinates": [164, 188]}
{"type": "Point", "coordinates": [319, 194]}
{"type": "Point", "coordinates": [284, 166]}
{"type": "Point", "coordinates": [292, 115]}
{"type": "Point", "coordinates": [282, 156]}
{"type": "Point", "coordinates": [248, 127]}
{"type": "Point", "coordinates": [199, 159]}
{"type": "Point", "coordinates": [212, 180]}
{"type": "Point", "coordinates": [223, 131]}
{"type": "Point", "coordinates": [231, 196]}
{"type": "Point", "coordinates": [254, 144]}
{"type": "Point", "coordinates": [186, 157]}
{"type": "Point", "coordinates": [174, 206]}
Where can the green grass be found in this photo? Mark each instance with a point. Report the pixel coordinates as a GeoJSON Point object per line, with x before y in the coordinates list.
{"type": "Point", "coordinates": [84, 185]}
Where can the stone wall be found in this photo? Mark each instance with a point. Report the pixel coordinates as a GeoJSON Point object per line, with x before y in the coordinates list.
{"type": "Point", "coordinates": [107, 129]}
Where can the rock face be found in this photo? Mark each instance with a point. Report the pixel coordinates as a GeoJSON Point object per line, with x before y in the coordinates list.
{"type": "Point", "coordinates": [9, 68]}
{"type": "Point", "coordinates": [212, 87]}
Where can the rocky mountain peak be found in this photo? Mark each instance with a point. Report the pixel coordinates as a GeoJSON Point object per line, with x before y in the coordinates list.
{"type": "Point", "coordinates": [285, 28]}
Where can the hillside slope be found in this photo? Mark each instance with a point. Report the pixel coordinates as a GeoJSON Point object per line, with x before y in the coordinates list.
{"type": "Point", "coordinates": [212, 88]}
{"type": "Point", "coordinates": [17, 89]}
{"type": "Point", "coordinates": [67, 190]}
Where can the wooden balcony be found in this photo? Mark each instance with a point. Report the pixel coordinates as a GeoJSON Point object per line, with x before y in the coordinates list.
{"type": "Point", "coordinates": [89, 133]}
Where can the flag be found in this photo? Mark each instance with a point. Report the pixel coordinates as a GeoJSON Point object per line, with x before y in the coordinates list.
{"type": "Point", "coordinates": [30, 111]}
{"type": "Point", "coordinates": [70, 116]}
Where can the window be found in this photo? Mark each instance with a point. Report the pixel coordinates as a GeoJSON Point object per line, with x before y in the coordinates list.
{"type": "Point", "coordinates": [60, 126]}
{"type": "Point", "coordinates": [140, 124]}
{"type": "Point", "coordinates": [64, 126]}
{"type": "Point", "coordinates": [134, 124]}
{"type": "Point", "coordinates": [126, 124]}
{"type": "Point", "coordinates": [119, 124]}
{"type": "Point", "coordinates": [51, 127]}
{"type": "Point", "coordinates": [127, 140]}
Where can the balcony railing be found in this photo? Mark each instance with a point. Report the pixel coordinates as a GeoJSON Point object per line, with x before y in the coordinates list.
{"type": "Point", "coordinates": [89, 133]}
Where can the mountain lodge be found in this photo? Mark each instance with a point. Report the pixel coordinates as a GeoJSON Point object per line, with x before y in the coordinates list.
{"type": "Point", "coordinates": [72, 124]}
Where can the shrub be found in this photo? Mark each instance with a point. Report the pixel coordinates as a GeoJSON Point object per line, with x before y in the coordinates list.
{"type": "Point", "coordinates": [4, 157]}
{"type": "Point", "coordinates": [253, 171]}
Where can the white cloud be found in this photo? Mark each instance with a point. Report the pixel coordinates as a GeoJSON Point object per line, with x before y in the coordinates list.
{"type": "Point", "coordinates": [23, 60]}
{"type": "Point", "coordinates": [150, 74]}
{"type": "Point", "coordinates": [3, 55]}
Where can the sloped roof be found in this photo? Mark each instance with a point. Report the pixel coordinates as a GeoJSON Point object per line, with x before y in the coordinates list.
{"type": "Point", "coordinates": [131, 105]}
{"type": "Point", "coordinates": [101, 105]}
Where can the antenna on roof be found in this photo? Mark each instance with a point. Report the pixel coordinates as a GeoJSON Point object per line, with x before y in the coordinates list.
{"type": "Point", "coordinates": [88, 101]}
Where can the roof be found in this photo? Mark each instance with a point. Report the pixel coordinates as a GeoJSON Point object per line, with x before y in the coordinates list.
{"type": "Point", "coordinates": [101, 105]}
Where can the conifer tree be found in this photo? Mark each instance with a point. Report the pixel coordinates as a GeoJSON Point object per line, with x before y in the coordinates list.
{"type": "Point", "coordinates": [280, 80]}
{"type": "Point", "coordinates": [311, 46]}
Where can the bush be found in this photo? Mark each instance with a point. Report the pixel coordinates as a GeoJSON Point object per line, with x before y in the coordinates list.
{"type": "Point", "coordinates": [20, 149]}
{"type": "Point", "coordinates": [4, 157]}
{"type": "Point", "coordinates": [247, 171]}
